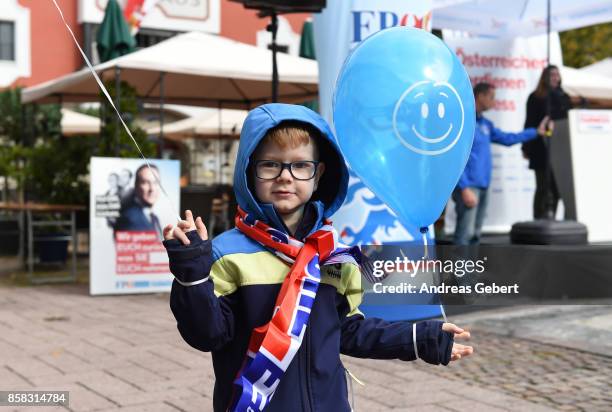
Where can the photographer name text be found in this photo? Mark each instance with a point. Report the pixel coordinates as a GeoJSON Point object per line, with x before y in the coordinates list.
{"type": "Point", "coordinates": [443, 288]}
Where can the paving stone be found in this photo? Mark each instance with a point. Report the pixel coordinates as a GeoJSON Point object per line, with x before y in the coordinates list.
{"type": "Point", "coordinates": [29, 367]}
{"type": "Point", "coordinates": [109, 386]}
{"type": "Point", "coordinates": [472, 406]}
{"type": "Point", "coordinates": [367, 404]}
{"type": "Point", "coordinates": [160, 396]}
{"type": "Point", "coordinates": [10, 380]}
{"type": "Point", "coordinates": [192, 403]}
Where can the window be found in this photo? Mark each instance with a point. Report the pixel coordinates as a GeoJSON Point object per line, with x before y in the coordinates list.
{"type": "Point", "coordinates": [7, 40]}
{"type": "Point", "coordinates": [148, 37]}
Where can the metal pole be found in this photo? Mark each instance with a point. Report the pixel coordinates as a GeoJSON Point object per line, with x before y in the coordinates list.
{"type": "Point", "coordinates": [161, 113]}
{"type": "Point", "coordinates": [548, 176]}
{"type": "Point", "coordinates": [118, 105]}
{"type": "Point", "coordinates": [21, 195]}
{"type": "Point", "coordinates": [273, 28]}
{"type": "Point", "coordinates": [22, 235]}
{"type": "Point", "coordinates": [30, 247]}
{"type": "Point", "coordinates": [28, 130]}
{"type": "Point", "coordinates": [548, 32]}
{"type": "Point", "coordinates": [74, 238]}
{"type": "Point", "coordinates": [219, 139]}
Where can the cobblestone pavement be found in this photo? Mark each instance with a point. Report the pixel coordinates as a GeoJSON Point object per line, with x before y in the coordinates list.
{"type": "Point", "coordinates": [559, 356]}
{"type": "Point", "coordinates": [565, 379]}
{"type": "Point", "coordinates": [123, 353]}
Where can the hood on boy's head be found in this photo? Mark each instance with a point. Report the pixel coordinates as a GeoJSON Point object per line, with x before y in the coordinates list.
{"type": "Point", "coordinates": [333, 184]}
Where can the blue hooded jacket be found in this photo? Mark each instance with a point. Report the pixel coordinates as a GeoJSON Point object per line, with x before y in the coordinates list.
{"type": "Point", "coordinates": [226, 287]}
{"type": "Point", "coordinates": [477, 172]}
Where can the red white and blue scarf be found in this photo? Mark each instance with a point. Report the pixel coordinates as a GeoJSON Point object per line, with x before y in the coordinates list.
{"type": "Point", "coordinates": [273, 346]}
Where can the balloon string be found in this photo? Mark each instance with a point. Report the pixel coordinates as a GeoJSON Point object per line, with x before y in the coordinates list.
{"type": "Point", "coordinates": [105, 92]}
{"type": "Point", "coordinates": [424, 231]}
{"type": "Point", "coordinates": [443, 313]}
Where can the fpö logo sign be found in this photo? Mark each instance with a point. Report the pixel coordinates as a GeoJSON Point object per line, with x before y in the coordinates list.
{"type": "Point", "coordinates": [367, 22]}
{"type": "Point", "coordinates": [595, 121]}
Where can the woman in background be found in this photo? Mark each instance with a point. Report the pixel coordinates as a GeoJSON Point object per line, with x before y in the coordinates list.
{"type": "Point", "coordinates": [548, 92]}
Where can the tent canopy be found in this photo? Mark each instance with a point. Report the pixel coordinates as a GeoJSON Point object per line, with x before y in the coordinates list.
{"type": "Point", "coordinates": [602, 68]}
{"type": "Point", "coordinates": [74, 123]}
{"type": "Point", "coordinates": [198, 69]}
{"type": "Point", "coordinates": [503, 18]}
{"type": "Point", "coordinates": [205, 125]}
{"type": "Point", "coordinates": [588, 85]}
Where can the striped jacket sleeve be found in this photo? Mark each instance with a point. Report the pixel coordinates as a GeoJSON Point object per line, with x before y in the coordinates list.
{"type": "Point", "coordinates": [204, 318]}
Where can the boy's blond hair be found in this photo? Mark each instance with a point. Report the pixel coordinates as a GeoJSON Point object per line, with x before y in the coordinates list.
{"type": "Point", "coordinates": [292, 135]}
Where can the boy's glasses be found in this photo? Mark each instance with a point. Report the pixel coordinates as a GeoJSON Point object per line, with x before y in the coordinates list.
{"type": "Point", "coordinates": [271, 169]}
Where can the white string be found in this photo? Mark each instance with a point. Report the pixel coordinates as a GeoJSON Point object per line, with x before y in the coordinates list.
{"type": "Point", "coordinates": [105, 92]}
{"type": "Point", "coordinates": [443, 313]}
{"type": "Point", "coordinates": [414, 341]}
{"type": "Point", "coordinates": [350, 379]}
{"type": "Point", "coordinates": [426, 255]}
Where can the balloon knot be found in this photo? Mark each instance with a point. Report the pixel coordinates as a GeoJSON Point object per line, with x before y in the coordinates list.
{"type": "Point", "coordinates": [424, 229]}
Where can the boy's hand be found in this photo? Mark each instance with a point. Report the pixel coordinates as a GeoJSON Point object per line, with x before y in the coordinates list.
{"type": "Point", "coordinates": [184, 226]}
{"type": "Point", "coordinates": [459, 351]}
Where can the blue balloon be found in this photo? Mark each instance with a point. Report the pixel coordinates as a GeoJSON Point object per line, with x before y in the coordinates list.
{"type": "Point", "coordinates": [404, 116]}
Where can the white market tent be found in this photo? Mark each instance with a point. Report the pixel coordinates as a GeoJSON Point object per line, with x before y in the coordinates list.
{"type": "Point", "coordinates": [503, 18]}
{"type": "Point", "coordinates": [193, 69]}
{"type": "Point", "coordinates": [74, 123]}
{"type": "Point", "coordinates": [212, 123]}
{"type": "Point", "coordinates": [601, 68]}
{"type": "Point", "coordinates": [578, 83]}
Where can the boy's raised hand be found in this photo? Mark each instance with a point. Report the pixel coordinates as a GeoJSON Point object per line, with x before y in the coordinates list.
{"type": "Point", "coordinates": [459, 351]}
{"type": "Point", "coordinates": [184, 226]}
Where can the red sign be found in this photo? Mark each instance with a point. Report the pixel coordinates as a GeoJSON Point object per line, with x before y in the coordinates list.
{"type": "Point", "coordinates": [140, 252]}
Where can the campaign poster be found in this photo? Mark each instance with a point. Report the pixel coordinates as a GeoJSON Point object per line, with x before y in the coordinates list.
{"type": "Point", "coordinates": [130, 202]}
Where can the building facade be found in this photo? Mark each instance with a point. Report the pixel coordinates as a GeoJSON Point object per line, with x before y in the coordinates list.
{"type": "Point", "coordinates": [35, 46]}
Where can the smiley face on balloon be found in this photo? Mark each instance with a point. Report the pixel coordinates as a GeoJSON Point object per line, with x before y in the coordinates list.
{"type": "Point", "coordinates": [428, 118]}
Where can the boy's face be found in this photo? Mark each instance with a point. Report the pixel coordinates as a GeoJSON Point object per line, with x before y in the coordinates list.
{"type": "Point", "coordinates": [287, 194]}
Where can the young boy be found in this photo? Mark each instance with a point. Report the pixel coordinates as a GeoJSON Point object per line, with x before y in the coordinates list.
{"type": "Point", "coordinates": [275, 299]}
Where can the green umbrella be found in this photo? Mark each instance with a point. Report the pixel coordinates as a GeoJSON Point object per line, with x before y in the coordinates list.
{"type": "Point", "coordinates": [307, 50]}
{"type": "Point", "coordinates": [114, 37]}
{"type": "Point", "coordinates": [307, 45]}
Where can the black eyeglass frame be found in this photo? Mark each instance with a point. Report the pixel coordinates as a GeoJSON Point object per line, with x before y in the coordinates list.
{"type": "Point", "coordinates": [288, 167]}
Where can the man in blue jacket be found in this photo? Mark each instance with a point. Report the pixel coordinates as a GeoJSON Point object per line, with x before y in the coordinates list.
{"type": "Point", "coordinates": [471, 193]}
{"type": "Point", "coordinates": [276, 299]}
